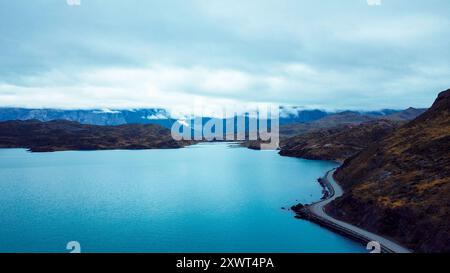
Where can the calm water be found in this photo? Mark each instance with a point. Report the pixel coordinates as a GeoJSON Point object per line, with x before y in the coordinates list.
{"type": "Point", "coordinates": [205, 198]}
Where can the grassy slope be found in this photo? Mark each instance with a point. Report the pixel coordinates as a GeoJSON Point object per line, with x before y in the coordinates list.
{"type": "Point", "coordinates": [400, 186]}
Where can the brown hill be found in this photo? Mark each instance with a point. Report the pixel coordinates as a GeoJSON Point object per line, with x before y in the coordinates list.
{"type": "Point", "coordinates": [400, 186]}
{"type": "Point", "coordinates": [315, 140]}
{"type": "Point", "coordinates": [330, 121]}
{"type": "Point", "coordinates": [61, 135]}
{"type": "Point", "coordinates": [339, 143]}
{"type": "Point", "coordinates": [406, 115]}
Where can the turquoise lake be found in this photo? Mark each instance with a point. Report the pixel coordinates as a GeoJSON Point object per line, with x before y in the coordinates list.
{"type": "Point", "coordinates": [204, 198]}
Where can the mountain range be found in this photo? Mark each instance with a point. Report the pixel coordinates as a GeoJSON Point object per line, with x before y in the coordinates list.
{"type": "Point", "coordinates": [288, 115]}
{"type": "Point", "coordinates": [92, 117]}
{"type": "Point", "coordinates": [337, 143]}
{"type": "Point", "coordinates": [347, 118]}
{"type": "Point", "coordinates": [327, 137]}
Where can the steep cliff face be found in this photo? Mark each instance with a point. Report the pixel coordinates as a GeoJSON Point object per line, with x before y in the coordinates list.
{"type": "Point", "coordinates": [400, 186]}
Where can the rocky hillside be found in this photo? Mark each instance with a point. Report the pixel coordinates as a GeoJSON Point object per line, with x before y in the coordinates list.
{"type": "Point", "coordinates": [406, 115]}
{"type": "Point", "coordinates": [347, 118]}
{"type": "Point", "coordinates": [326, 138]}
{"type": "Point", "coordinates": [340, 136]}
{"type": "Point", "coordinates": [63, 135]}
{"type": "Point", "coordinates": [400, 186]}
{"type": "Point", "coordinates": [330, 121]}
{"type": "Point", "coordinates": [338, 143]}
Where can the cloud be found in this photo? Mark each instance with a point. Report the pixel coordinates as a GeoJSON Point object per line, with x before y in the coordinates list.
{"type": "Point", "coordinates": [177, 87]}
{"type": "Point", "coordinates": [326, 54]}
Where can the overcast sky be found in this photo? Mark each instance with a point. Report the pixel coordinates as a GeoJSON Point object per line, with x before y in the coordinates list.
{"type": "Point", "coordinates": [329, 54]}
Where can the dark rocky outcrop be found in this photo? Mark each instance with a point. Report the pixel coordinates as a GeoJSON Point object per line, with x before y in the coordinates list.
{"type": "Point", "coordinates": [61, 135]}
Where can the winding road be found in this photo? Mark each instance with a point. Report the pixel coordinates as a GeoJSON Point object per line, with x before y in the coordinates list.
{"type": "Point", "coordinates": [317, 212]}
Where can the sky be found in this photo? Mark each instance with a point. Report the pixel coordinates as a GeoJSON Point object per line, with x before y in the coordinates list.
{"type": "Point", "coordinates": [325, 54]}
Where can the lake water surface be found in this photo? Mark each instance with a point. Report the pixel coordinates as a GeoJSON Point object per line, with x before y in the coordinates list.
{"type": "Point", "coordinates": [204, 198]}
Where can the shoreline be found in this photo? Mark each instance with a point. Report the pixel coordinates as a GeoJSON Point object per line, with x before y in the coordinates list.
{"type": "Point", "coordinates": [315, 213]}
